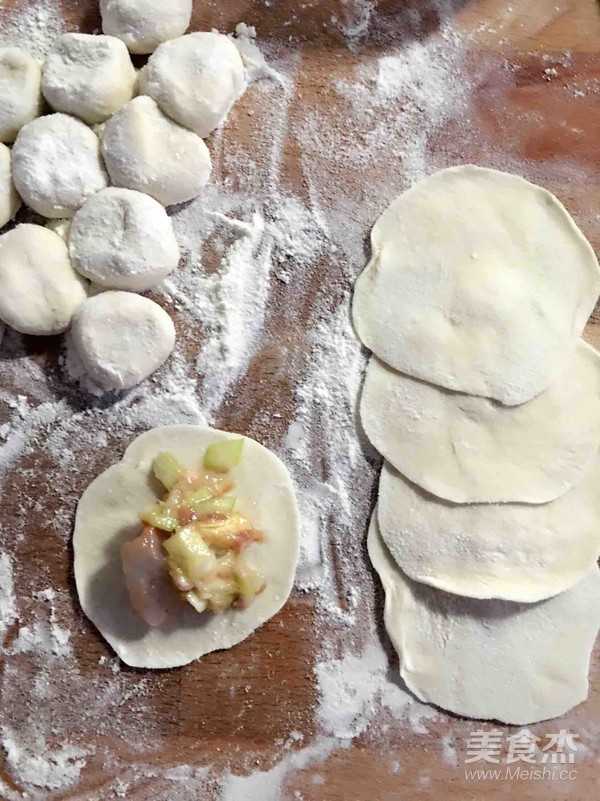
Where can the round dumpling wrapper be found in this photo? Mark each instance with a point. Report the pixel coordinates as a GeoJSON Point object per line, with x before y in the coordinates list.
{"type": "Point", "coordinates": [490, 660]}
{"type": "Point", "coordinates": [479, 282]}
{"type": "Point", "coordinates": [515, 551]}
{"type": "Point", "coordinates": [107, 517]}
{"type": "Point", "coordinates": [471, 449]}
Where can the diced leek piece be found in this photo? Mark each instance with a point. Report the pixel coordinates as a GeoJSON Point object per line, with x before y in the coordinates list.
{"type": "Point", "coordinates": [249, 580]}
{"type": "Point", "coordinates": [223, 456]}
{"type": "Point", "coordinates": [160, 516]}
{"type": "Point", "coordinates": [190, 554]}
{"type": "Point", "coordinates": [167, 469]}
{"type": "Point", "coordinates": [224, 505]}
{"type": "Point", "coordinates": [199, 496]}
{"type": "Point", "coordinates": [196, 601]}
{"type": "Point", "coordinates": [223, 596]}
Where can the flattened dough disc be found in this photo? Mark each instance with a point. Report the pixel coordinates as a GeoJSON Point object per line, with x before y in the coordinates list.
{"type": "Point", "coordinates": [491, 660]}
{"type": "Point", "coordinates": [479, 282]}
{"type": "Point", "coordinates": [470, 449]}
{"type": "Point", "coordinates": [107, 517]}
{"type": "Point", "coordinates": [514, 551]}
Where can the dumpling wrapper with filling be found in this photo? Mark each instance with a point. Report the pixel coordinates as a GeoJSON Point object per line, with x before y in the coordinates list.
{"type": "Point", "coordinates": [490, 660]}
{"type": "Point", "coordinates": [479, 282]}
{"type": "Point", "coordinates": [107, 517]}
{"type": "Point", "coordinates": [469, 449]}
{"type": "Point", "coordinates": [514, 551]}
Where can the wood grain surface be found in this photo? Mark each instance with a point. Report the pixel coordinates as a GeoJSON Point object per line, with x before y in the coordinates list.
{"type": "Point", "coordinates": [250, 700]}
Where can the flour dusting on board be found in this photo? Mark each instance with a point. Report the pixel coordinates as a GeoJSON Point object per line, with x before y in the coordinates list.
{"type": "Point", "coordinates": [35, 27]}
{"type": "Point", "coordinates": [262, 309]}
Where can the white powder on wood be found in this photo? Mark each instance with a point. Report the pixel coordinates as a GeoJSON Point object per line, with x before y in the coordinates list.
{"type": "Point", "coordinates": [8, 605]}
{"type": "Point", "coordinates": [38, 766]}
{"type": "Point", "coordinates": [33, 27]}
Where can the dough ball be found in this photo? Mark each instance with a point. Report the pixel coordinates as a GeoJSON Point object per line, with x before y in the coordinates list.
{"type": "Point", "coordinates": [470, 449]}
{"type": "Point", "coordinates": [39, 290]}
{"type": "Point", "coordinates": [144, 24]}
{"type": "Point", "coordinates": [107, 517]}
{"type": "Point", "coordinates": [57, 165]}
{"type": "Point", "coordinates": [10, 202]}
{"type": "Point", "coordinates": [491, 660]}
{"type": "Point", "coordinates": [146, 151]}
{"type": "Point", "coordinates": [20, 91]}
{"type": "Point", "coordinates": [123, 240]}
{"type": "Point", "coordinates": [91, 77]}
{"type": "Point", "coordinates": [61, 227]}
{"type": "Point", "coordinates": [196, 80]}
{"type": "Point", "coordinates": [515, 551]}
{"type": "Point", "coordinates": [479, 282]}
{"type": "Point", "coordinates": [121, 339]}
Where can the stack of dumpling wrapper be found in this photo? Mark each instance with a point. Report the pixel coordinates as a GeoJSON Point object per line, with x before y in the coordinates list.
{"type": "Point", "coordinates": [485, 403]}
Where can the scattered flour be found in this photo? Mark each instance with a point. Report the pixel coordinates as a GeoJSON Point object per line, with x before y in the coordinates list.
{"type": "Point", "coordinates": [268, 786]}
{"type": "Point", "coordinates": [33, 27]}
{"type": "Point", "coordinates": [8, 605]}
{"type": "Point", "coordinates": [38, 766]}
{"type": "Point", "coordinates": [44, 636]}
{"type": "Point", "coordinates": [267, 269]}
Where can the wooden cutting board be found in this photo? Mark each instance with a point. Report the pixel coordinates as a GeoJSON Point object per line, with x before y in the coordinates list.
{"type": "Point", "coordinates": [533, 72]}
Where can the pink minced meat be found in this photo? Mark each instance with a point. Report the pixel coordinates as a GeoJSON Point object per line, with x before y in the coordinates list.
{"type": "Point", "coordinates": [151, 592]}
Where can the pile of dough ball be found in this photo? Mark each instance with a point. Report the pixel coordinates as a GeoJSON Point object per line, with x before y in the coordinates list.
{"type": "Point", "coordinates": [116, 148]}
{"type": "Point", "coordinates": [485, 403]}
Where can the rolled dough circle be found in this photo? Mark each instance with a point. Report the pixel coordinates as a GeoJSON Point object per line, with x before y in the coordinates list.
{"type": "Point", "coordinates": [490, 660]}
{"type": "Point", "coordinates": [144, 24]}
{"type": "Point", "coordinates": [479, 282]}
{"type": "Point", "coordinates": [20, 91]}
{"type": "Point", "coordinates": [514, 551]}
{"type": "Point", "coordinates": [10, 202]}
{"type": "Point", "coordinates": [57, 165]}
{"type": "Point", "coordinates": [39, 290]}
{"type": "Point", "coordinates": [121, 338]}
{"type": "Point", "coordinates": [91, 77]}
{"type": "Point", "coordinates": [107, 517]}
{"type": "Point", "coordinates": [470, 449]}
{"type": "Point", "coordinates": [123, 239]}
{"type": "Point", "coordinates": [146, 151]}
{"type": "Point", "coordinates": [196, 79]}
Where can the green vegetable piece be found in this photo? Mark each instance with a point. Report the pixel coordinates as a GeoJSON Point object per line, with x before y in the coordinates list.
{"type": "Point", "coordinates": [212, 506]}
{"type": "Point", "coordinates": [223, 456]}
{"type": "Point", "coordinates": [189, 553]}
{"type": "Point", "coordinates": [160, 516]}
{"type": "Point", "coordinates": [167, 469]}
{"type": "Point", "coordinates": [198, 496]}
{"type": "Point", "coordinates": [249, 580]}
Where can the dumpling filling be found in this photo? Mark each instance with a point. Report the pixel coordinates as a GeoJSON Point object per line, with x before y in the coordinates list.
{"type": "Point", "coordinates": [193, 541]}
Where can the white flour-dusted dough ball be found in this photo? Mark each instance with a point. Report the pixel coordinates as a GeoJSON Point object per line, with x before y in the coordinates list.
{"type": "Point", "coordinates": [196, 79]}
{"type": "Point", "coordinates": [20, 91]}
{"type": "Point", "coordinates": [10, 202]}
{"type": "Point", "coordinates": [121, 338]}
{"type": "Point", "coordinates": [144, 24]}
{"type": "Point", "coordinates": [39, 290]}
{"type": "Point", "coordinates": [91, 77]}
{"type": "Point", "coordinates": [123, 239]}
{"type": "Point", "coordinates": [57, 165]}
{"type": "Point", "coordinates": [146, 151]}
